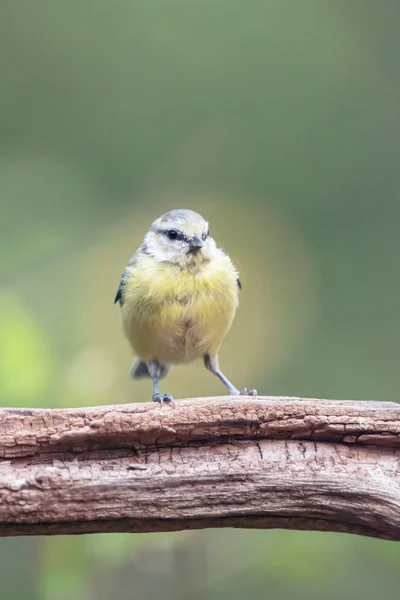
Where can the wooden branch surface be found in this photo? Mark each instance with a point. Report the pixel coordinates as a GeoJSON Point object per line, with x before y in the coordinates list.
{"type": "Point", "coordinates": [210, 462]}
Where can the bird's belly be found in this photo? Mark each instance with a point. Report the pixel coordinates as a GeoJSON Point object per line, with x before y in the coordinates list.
{"type": "Point", "coordinates": [177, 331]}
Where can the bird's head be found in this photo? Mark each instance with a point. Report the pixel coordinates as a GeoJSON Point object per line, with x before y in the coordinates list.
{"type": "Point", "coordinates": [180, 237]}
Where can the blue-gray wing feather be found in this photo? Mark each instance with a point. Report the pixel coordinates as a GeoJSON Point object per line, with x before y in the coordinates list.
{"type": "Point", "coordinates": [119, 297]}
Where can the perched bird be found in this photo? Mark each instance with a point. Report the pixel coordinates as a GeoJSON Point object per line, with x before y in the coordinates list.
{"type": "Point", "coordinates": [178, 297]}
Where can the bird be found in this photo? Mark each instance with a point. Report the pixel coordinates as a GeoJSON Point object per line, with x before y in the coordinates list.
{"type": "Point", "coordinates": [178, 297]}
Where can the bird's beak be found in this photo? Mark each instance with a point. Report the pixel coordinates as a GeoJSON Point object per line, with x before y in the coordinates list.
{"type": "Point", "coordinates": [195, 244]}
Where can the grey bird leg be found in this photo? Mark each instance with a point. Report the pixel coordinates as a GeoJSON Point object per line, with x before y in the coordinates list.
{"type": "Point", "coordinates": [211, 363]}
{"type": "Point", "coordinates": [155, 370]}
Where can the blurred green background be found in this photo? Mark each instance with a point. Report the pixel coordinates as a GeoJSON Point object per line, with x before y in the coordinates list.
{"type": "Point", "coordinates": [280, 122]}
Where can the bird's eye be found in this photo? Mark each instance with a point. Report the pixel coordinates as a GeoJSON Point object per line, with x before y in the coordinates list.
{"type": "Point", "coordinates": [205, 235]}
{"type": "Point", "coordinates": [172, 234]}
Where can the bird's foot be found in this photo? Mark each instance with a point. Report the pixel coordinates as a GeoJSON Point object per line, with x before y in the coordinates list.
{"type": "Point", "coordinates": [252, 392]}
{"type": "Point", "coordinates": [167, 398]}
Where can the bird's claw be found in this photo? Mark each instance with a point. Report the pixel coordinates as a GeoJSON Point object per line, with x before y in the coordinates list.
{"type": "Point", "coordinates": [251, 392]}
{"type": "Point", "coordinates": [167, 398]}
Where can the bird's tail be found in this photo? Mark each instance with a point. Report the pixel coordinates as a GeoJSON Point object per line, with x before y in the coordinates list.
{"type": "Point", "coordinates": [140, 370]}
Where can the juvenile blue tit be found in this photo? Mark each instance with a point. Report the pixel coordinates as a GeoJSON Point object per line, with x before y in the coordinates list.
{"type": "Point", "coordinates": [178, 297]}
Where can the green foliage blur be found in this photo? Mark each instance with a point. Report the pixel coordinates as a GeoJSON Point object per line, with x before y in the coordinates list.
{"type": "Point", "coordinates": [279, 121]}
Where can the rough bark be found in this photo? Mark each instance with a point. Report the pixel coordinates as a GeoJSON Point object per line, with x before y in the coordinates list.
{"type": "Point", "coordinates": [211, 462]}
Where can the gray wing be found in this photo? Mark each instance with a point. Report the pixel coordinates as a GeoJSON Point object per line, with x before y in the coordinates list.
{"type": "Point", "coordinates": [119, 297]}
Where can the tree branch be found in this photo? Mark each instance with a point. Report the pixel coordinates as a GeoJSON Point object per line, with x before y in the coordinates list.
{"type": "Point", "coordinates": [209, 462]}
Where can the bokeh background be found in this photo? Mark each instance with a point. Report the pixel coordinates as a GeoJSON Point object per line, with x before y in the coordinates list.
{"type": "Point", "coordinates": [280, 122]}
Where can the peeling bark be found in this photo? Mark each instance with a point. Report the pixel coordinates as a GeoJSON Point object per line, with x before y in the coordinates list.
{"type": "Point", "coordinates": [211, 462]}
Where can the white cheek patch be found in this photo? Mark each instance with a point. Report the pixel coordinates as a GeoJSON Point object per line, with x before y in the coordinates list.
{"type": "Point", "coordinates": [165, 250]}
{"type": "Point", "coordinates": [210, 249]}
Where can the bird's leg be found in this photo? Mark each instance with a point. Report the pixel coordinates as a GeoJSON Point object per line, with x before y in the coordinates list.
{"type": "Point", "coordinates": [211, 363]}
{"type": "Point", "coordinates": [155, 370]}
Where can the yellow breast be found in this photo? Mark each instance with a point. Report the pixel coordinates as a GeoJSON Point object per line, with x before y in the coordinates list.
{"type": "Point", "coordinates": [177, 315]}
